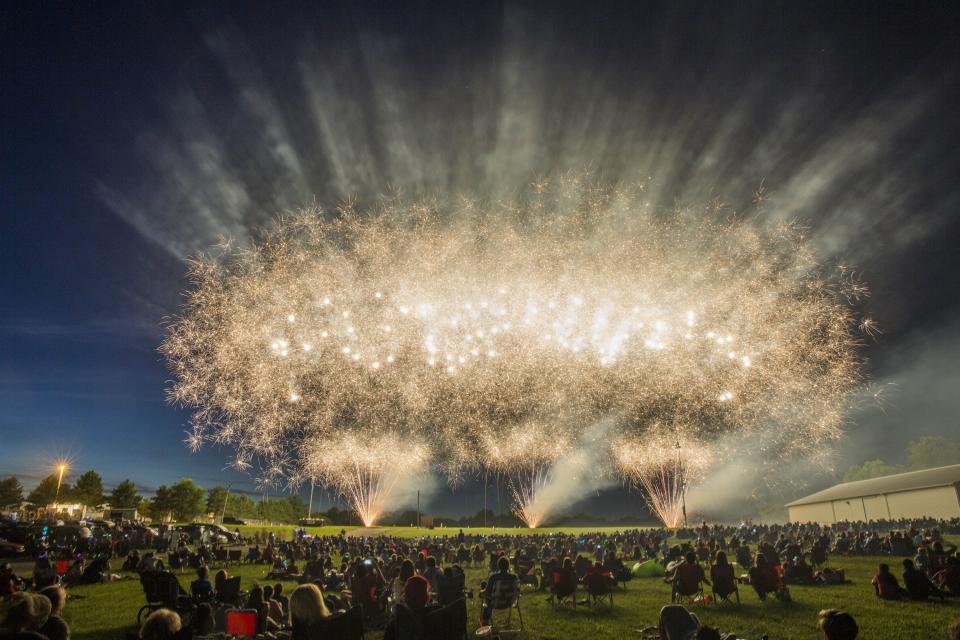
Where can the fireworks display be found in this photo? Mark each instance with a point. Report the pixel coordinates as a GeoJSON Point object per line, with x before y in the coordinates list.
{"type": "Point", "coordinates": [361, 347]}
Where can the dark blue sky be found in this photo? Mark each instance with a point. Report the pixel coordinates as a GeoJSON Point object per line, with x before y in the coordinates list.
{"type": "Point", "coordinates": [133, 135]}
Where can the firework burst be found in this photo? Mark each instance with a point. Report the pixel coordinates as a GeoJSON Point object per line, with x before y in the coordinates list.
{"type": "Point", "coordinates": [453, 326]}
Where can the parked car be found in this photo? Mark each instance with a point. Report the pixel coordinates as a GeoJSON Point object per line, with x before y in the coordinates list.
{"type": "Point", "coordinates": [8, 548]}
{"type": "Point", "coordinates": [232, 520]}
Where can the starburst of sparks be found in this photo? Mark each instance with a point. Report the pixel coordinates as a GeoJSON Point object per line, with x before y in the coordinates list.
{"type": "Point", "coordinates": [452, 326]}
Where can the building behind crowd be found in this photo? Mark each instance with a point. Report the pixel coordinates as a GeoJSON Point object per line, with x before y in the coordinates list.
{"type": "Point", "coordinates": [932, 493]}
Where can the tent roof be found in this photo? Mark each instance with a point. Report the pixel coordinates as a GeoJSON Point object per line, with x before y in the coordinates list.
{"type": "Point", "coordinates": [927, 478]}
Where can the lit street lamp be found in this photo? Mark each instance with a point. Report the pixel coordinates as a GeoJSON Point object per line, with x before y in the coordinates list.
{"type": "Point", "coordinates": [62, 467]}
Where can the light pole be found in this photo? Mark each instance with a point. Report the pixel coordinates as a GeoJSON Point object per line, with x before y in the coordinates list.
{"type": "Point", "coordinates": [683, 485]}
{"type": "Point", "coordinates": [56, 499]}
{"type": "Point", "coordinates": [223, 512]}
{"type": "Point", "coordinates": [310, 505]}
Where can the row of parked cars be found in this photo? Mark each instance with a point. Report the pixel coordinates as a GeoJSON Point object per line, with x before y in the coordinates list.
{"type": "Point", "coordinates": [23, 538]}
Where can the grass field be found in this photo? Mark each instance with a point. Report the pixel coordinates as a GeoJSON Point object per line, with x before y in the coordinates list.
{"type": "Point", "coordinates": [107, 611]}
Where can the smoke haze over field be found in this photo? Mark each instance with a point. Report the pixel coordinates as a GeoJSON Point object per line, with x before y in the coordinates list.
{"type": "Point", "coordinates": [188, 125]}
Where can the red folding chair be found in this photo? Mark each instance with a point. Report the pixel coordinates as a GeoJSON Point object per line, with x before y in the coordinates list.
{"type": "Point", "coordinates": [241, 623]}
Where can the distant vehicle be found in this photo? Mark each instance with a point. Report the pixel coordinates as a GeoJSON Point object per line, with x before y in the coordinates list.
{"type": "Point", "coordinates": [232, 520]}
{"type": "Point", "coordinates": [125, 514]}
{"type": "Point", "coordinates": [206, 533]}
{"type": "Point", "coordinates": [11, 548]}
{"type": "Point", "coordinates": [311, 522]}
{"type": "Point", "coordinates": [220, 530]}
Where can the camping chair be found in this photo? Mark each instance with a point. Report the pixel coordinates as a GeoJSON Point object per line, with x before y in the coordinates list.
{"type": "Point", "coordinates": [174, 562]}
{"type": "Point", "coordinates": [561, 594]}
{"type": "Point", "coordinates": [230, 593]}
{"type": "Point", "coordinates": [524, 569]}
{"type": "Point", "coordinates": [346, 626]}
{"type": "Point", "coordinates": [678, 593]}
{"type": "Point", "coordinates": [599, 588]}
{"type": "Point", "coordinates": [505, 598]}
{"type": "Point", "coordinates": [235, 555]}
{"type": "Point", "coordinates": [162, 591]}
{"type": "Point", "coordinates": [727, 598]}
{"type": "Point", "coordinates": [447, 623]}
{"type": "Point", "coordinates": [220, 555]}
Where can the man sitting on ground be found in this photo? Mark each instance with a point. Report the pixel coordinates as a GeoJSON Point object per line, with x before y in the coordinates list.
{"type": "Point", "coordinates": [918, 585]}
{"type": "Point", "coordinates": [676, 623]}
{"type": "Point", "coordinates": [885, 584]}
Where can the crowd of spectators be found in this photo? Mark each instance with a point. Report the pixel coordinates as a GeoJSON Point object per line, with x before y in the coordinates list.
{"type": "Point", "coordinates": [383, 574]}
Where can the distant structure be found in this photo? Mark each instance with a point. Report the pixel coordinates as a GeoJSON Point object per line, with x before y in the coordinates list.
{"type": "Point", "coordinates": [931, 492]}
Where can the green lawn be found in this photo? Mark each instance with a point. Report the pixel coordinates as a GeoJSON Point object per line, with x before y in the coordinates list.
{"type": "Point", "coordinates": [107, 611]}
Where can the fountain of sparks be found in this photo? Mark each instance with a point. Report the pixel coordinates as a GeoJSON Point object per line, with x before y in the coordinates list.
{"type": "Point", "coordinates": [366, 471]}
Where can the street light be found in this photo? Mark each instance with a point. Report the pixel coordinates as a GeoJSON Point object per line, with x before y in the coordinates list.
{"type": "Point", "coordinates": [62, 467]}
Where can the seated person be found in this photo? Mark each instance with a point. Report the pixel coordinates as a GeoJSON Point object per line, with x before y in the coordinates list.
{"type": "Point", "coordinates": [96, 572]}
{"type": "Point", "coordinates": [256, 602]}
{"type": "Point", "coordinates": [687, 576]}
{"type": "Point", "coordinates": [617, 569]}
{"type": "Point", "coordinates": [281, 599]}
{"type": "Point", "coordinates": [307, 607]}
{"type": "Point", "coordinates": [10, 583]}
{"type": "Point", "coordinates": [917, 584]}
{"type": "Point", "coordinates": [276, 611]}
{"type": "Point", "coordinates": [598, 580]}
{"type": "Point", "coordinates": [202, 621]}
{"type": "Point", "coordinates": [74, 574]}
{"type": "Point", "coordinates": [202, 589]}
{"type": "Point", "coordinates": [404, 573]}
{"type": "Point", "coordinates": [416, 593]}
{"type": "Point", "coordinates": [949, 577]}
{"type": "Point", "coordinates": [44, 573]}
{"type": "Point", "coordinates": [132, 561]}
{"type": "Point", "coordinates": [253, 554]}
{"type": "Point", "coordinates": [885, 584]}
{"type": "Point", "coordinates": [363, 588]}
{"type": "Point", "coordinates": [722, 576]}
{"type": "Point", "coordinates": [676, 623]}
{"type": "Point", "coordinates": [450, 585]}
{"type": "Point", "coordinates": [838, 625]}
{"type": "Point", "coordinates": [797, 571]}
{"type": "Point", "coordinates": [432, 573]}
{"type": "Point", "coordinates": [162, 624]}
{"type": "Point", "coordinates": [497, 585]}
{"type": "Point", "coordinates": [763, 578]}
{"type": "Point", "coordinates": [564, 582]}
{"type": "Point", "coordinates": [26, 614]}
{"type": "Point", "coordinates": [744, 559]}
{"type": "Point", "coordinates": [55, 628]}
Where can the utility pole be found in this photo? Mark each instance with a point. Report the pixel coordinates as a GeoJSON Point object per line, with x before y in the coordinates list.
{"type": "Point", "coordinates": [683, 485]}
{"type": "Point", "coordinates": [418, 508]}
{"type": "Point", "coordinates": [486, 481]}
{"type": "Point", "coordinates": [223, 512]}
{"type": "Point", "coordinates": [310, 505]}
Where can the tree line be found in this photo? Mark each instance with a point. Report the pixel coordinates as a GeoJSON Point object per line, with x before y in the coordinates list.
{"type": "Point", "coordinates": [926, 453]}
{"type": "Point", "coordinates": [182, 501]}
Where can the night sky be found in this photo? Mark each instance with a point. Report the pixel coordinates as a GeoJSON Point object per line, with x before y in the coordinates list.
{"type": "Point", "coordinates": [136, 135]}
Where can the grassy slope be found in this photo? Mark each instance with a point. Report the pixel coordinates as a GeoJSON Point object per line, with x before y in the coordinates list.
{"type": "Point", "coordinates": [108, 610]}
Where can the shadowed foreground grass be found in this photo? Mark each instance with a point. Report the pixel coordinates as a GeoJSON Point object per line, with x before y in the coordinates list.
{"type": "Point", "coordinates": [107, 611]}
